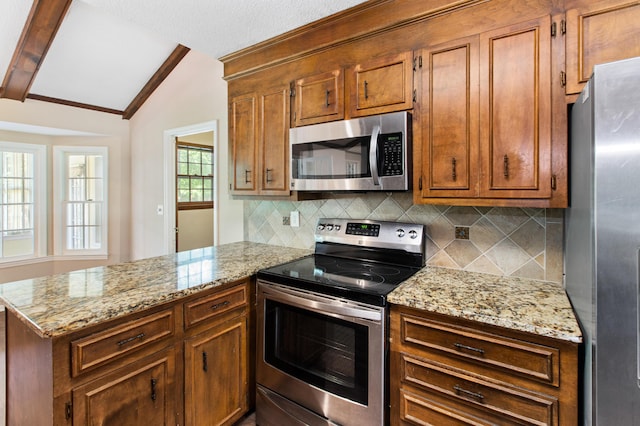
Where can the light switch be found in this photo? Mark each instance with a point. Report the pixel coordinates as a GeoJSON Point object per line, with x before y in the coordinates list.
{"type": "Point", "coordinates": [294, 218]}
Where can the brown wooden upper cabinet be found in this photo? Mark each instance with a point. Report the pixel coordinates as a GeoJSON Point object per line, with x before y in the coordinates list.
{"type": "Point", "coordinates": [259, 134]}
{"type": "Point", "coordinates": [381, 85]}
{"type": "Point", "coordinates": [319, 98]}
{"type": "Point", "coordinates": [485, 118]}
{"type": "Point", "coordinates": [599, 32]}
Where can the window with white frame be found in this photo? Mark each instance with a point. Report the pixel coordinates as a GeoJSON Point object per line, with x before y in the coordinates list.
{"type": "Point", "coordinates": [22, 201]}
{"type": "Point", "coordinates": [81, 219]}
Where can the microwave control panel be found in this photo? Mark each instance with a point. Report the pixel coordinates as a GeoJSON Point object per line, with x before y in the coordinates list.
{"type": "Point", "coordinates": [390, 154]}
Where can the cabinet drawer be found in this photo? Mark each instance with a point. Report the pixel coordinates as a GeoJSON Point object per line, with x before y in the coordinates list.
{"type": "Point", "coordinates": [537, 362]}
{"type": "Point", "coordinates": [512, 404]}
{"type": "Point", "coordinates": [102, 347]}
{"type": "Point", "coordinates": [210, 306]}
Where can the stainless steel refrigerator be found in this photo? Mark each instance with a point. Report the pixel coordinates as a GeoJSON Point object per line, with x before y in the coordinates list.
{"type": "Point", "coordinates": [602, 240]}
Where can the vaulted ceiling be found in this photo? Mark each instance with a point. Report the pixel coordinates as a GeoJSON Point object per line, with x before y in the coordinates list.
{"type": "Point", "coordinates": [109, 55]}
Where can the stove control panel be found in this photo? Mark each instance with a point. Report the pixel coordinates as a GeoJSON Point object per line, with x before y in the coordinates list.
{"type": "Point", "coordinates": [367, 229]}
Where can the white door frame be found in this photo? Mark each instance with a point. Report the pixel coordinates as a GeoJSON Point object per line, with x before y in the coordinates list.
{"type": "Point", "coordinates": [170, 179]}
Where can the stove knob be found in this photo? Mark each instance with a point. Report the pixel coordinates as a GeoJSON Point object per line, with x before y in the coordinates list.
{"type": "Point", "coordinates": [400, 232]}
{"type": "Point", "coordinates": [329, 227]}
{"type": "Point", "coordinates": [320, 227]}
{"type": "Point", "coordinates": [413, 234]}
{"type": "Point", "coordinates": [336, 227]}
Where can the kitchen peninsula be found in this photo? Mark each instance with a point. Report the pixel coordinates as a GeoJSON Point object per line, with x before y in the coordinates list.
{"type": "Point", "coordinates": [169, 340]}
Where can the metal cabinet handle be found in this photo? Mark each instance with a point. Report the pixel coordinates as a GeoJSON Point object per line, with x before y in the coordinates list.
{"type": "Point", "coordinates": [205, 363]}
{"type": "Point", "coordinates": [460, 346]}
{"type": "Point", "coordinates": [220, 305]}
{"type": "Point", "coordinates": [327, 98]}
{"type": "Point", "coordinates": [366, 92]}
{"type": "Point", "coordinates": [131, 339]}
{"type": "Point", "coordinates": [464, 392]}
{"type": "Point", "coordinates": [154, 382]}
{"type": "Point", "coordinates": [454, 175]}
{"type": "Point", "coordinates": [506, 166]}
{"type": "Point", "coordinates": [247, 173]}
{"type": "Point", "coordinates": [268, 175]}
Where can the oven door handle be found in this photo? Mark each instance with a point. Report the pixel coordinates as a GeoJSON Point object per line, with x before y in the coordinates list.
{"type": "Point", "coordinates": [320, 306]}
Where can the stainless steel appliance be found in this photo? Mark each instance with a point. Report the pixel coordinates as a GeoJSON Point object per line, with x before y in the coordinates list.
{"type": "Point", "coordinates": [322, 324]}
{"type": "Point", "coordinates": [362, 154]}
{"type": "Point", "coordinates": [602, 240]}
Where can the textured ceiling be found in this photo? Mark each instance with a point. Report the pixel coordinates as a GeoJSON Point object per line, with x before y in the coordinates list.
{"type": "Point", "coordinates": [106, 50]}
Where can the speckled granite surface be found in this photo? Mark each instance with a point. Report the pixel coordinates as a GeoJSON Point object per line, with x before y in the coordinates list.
{"type": "Point", "coordinates": [64, 303]}
{"type": "Point", "coordinates": [537, 307]}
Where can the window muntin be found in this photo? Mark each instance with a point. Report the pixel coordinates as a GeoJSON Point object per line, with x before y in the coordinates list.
{"type": "Point", "coordinates": [83, 200]}
{"type": "Point", "coordinates": [194, 176]}
{"type": "Point", "coordinates": [22, 201]}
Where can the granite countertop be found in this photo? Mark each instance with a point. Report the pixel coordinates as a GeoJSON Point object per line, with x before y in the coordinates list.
{"type": "Point", "coordinates": [59, 304]}
{"type": "Point", "coordinates": [537, 307]}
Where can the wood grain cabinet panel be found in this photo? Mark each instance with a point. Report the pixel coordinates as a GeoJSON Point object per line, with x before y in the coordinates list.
{"type": "Point", "coordinates": [484, 127]}
{"type": "Point", "coordinates": [381, 85]}
{"type": "Point", "coordinates": [449, 371]}
{"type": "Point", "coordinates": [216, 387]}
{"type": "Point", "coordinates": [243, 128]}
{"type": "Point", "coordinates": [450, 120]}
{"type": "Point", "coordinates": [599, 32]}
{"type": "Point", "coordinates": [208, 307]}
{"type": "Point", "coordinates": [319, 98]}
{"type": "Point", "coordinates": [101, 348]}
{"type": "Point", "coordinates": [259, 136]}
{"type": "Point", "coordinates": [141, 393]}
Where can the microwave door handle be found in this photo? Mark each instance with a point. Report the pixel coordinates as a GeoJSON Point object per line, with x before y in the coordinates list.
{"type": "Point", "coordinates": [373, 155]}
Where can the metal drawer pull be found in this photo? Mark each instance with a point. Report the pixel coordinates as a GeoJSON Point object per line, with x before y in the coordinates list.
{"type": "Point", "coordinates": [131, 339]}
{"type": "Point", "coordinates": [153, 389]}
{"type": "Point", "coordinates": [268, 175]}
{"type": "Point", "coordinates": [475, 395]}
{"type": "Point", "coordinates": [506, 166]}
{"type": "Point", "coordinates": [247, 173]}
{"type": "Point", "coordinates": [366, 92]}
{"type": "Point", "coordinates": [205, 364]}
{"type": "Point", "coordinates": [220, 305]}
{"type": "Point", "coordinates": [469, 348]}
{"type": "Point", "coordinates": [327, 98]}
{"type": "Point", "coordinates": [453, 169]}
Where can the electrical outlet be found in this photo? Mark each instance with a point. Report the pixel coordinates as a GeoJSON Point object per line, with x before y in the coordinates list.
{"type": "Point", "coordinates": [462, 232]}
{"type": "Point", "coordinates": [294, 217]}
{"type": "Point", "coordinates": [285, 220]}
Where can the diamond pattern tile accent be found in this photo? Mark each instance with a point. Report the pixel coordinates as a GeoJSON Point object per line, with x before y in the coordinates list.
{"type": "Point", "coordinates": [503, 241]}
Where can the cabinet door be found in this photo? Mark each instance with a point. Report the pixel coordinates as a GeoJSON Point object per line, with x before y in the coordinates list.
{"type": "Point", "coordinates": [599, 32]}
{"type": "Point", "coordinates": [381, 85]}
{"type": "Point", "coordinates": [243, 136]}
{"type": "Point", "coordinates": [449, 113]}
{"type": "Point", "coordinates": [141, 393]}
{"type": "Point", "coordinates": [319, 98]}
{"type": "Point", "coordinates": [216, 375]}
{"type": "Point", "coordinates": [515, 110]}
{"type": "Point", "coordinates": [274, 141]}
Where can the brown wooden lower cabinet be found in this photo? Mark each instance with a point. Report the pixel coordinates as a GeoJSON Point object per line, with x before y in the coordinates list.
{"type": "Point", "coordinates": [448, 371]}
{"type": "Point", "coordinates": [183, 362]}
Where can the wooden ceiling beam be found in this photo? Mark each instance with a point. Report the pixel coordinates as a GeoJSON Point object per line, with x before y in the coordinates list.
{"type": "Point", "coordinates": [37, 35]}
{"type": "Point", "coordinates": [163, 72]}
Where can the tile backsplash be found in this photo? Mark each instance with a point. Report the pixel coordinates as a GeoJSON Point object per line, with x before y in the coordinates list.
{"type": "Point", "coordinates": [522, 242]}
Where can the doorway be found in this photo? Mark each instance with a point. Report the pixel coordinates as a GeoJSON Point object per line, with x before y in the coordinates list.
{"type": "Point", "coordinates": [171, 240]}
{"type": "Point", "coordinates": [194, 191]}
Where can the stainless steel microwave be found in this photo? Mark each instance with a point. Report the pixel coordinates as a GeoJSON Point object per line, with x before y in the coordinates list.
{"type": "Point", "coordinates": [361, 154]}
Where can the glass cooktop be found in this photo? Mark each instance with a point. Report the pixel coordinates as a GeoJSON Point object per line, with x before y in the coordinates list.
{"type": "Point", "coordinates": [362, 281]}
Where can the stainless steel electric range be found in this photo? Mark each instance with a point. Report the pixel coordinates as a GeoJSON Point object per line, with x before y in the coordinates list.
{"type": "Point", "coordinates": [322, 324]}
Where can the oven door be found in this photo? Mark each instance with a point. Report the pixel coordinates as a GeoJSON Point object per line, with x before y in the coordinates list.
{"type": "Point", "coordinates": [323, 353]}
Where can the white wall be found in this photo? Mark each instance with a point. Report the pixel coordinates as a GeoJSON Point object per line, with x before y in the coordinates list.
{"type": "Point", "coordinates": [111, 131]}
{"type": "Point", "coordinates": [193, 93]}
